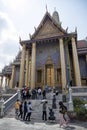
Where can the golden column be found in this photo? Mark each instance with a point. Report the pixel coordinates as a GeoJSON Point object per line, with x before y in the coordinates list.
{"type": "Point", "coordinates": [76, 63]}
{"type": "Point", "coordinates": [68, 60]}
{"type": "Point", "coordinates": [8, 81]}
{"type": "Point", "coordinates": [1, 81]}
{"type": "Point", "coordinates": [62, 60]}
{"type": "Point", "coordinates": [22, 66]}
{"type": "Point", "coordinates": [5, 81]}
{"type": "Point", "coordinates": [27, 69]}
{"type": "Point", "coordinates": [33, 65]}
{"type": "Point", "coordinates": [12, 76]}
{"type": "Point", "coordinates": [29, 79]}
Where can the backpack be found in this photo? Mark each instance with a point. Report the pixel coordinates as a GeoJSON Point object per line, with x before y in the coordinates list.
{"type": "Point", "coordinates": [64, 109]}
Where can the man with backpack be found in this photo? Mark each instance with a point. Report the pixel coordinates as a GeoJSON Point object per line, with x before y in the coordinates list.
{"type": "Point", "coordinates": [62, 111]}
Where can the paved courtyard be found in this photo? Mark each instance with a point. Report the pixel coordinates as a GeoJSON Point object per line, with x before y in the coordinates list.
{"type": "Point", "coordinates": [14, 124]}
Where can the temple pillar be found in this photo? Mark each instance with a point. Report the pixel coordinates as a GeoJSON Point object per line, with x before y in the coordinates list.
{"type": "Point", "coordinates": [12, 76]}
{"type": "Point", "coordinates": [5, 81]}
{"type": "Point", "coordinates": [62, 60]}
{"type": "Point", "coordinates": [29, 79]}
{"type": "Point", "coordinates": [8, 81]}
{"type": "Point", "coordinates": [44, 75]}
{"type": "Point", "coordinates": [22, 66]}
{"type": "Point", "coordinates": [68, 64]}
{"type": "Point", "coordinates": [76, 63]}
{"type": "Point", "coordinates": [0, 81]}
{"type": "Point", "coordinates": [33, 66]}
{"type": "Point", "coordinates": [53, 76]}
{"type": "Point", "coordinates": [43, 79]}
{"type": "Point", "coordinates": [27, 69]}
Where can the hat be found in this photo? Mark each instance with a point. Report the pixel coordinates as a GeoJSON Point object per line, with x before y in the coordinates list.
{"type": "Point", "coordinates": [44, 101]}
{"type": "Point", "coordinates": [29, 102]}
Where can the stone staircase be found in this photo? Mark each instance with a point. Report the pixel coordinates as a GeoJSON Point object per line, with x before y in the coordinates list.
{"type": "Point", "coordinates": [37, 108]}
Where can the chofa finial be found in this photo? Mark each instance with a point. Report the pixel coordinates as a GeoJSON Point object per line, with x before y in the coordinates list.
{"type": "Point", "coordinates": [46, 8]}
{"type": "Point", "coordinates": [75, 29]}
{"type": "Point", "coordinates": [67, 29]}
{"type": "Point", "coordinates": [35, 28]}
{"type": "Point", "coordinates": [19, 39]}
{"type": "Point", "coordinates": [54, 8]}
{"type": "Point", "coordinates": [30, 35]}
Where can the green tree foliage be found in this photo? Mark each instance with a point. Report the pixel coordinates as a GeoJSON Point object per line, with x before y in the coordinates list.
{"type": "Point", "coordinates": [79, 108]}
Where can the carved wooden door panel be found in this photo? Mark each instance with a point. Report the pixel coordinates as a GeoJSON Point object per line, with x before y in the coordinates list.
{"type": "Point", "coordinates": [49, 75]}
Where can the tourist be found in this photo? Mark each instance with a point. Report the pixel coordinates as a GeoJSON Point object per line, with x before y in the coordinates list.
{"type": "Point", "coordinates": [62, 112]}
{"type": "Point", "coordinates": [39, 93]}
{"type": "Point", "coordinates": [24, 94]}
{"type": "Point", "coordinates": [54, 102]}
{"type": "Point", "coordinates": [30, 93]}
{"type": "Point", "coordinates": [25, 110]}
{"type": "Point", "coordinates": [17, 106]}
{"type": "Point", "coordinates": [44, 94]}
{"type": "Point", "coordinates": [51, 114]}
{"type": "Point", "coordinates": [34, 93]}
{"type": "Point", "coordinates": [44, 109]}
{"type": "Point", "coordinates": [21, 110]}
{"type": "Point", "coordinates": [29, 111]}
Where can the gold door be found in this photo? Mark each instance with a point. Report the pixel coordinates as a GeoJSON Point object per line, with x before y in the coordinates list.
{"type": "Point", "coordinates": [49, 75]}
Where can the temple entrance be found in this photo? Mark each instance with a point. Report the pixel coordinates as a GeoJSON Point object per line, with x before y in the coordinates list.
{"type": "Point", "coordinates": [49, 75]}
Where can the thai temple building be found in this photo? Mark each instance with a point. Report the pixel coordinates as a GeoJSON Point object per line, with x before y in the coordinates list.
{"type": "Point", "coordinates": [51, 57]}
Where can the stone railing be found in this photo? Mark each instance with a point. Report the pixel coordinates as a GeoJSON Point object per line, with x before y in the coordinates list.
{"type": "Point", "coordinates": [80, 92]}
{"type": "Point", "coordinates": [81, 89]}
{"type": "Point", "coordinates": [8, 104]}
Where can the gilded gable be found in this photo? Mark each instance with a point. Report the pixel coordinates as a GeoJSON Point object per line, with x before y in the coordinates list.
{"type": "Point", "coordinates": [48, 29]}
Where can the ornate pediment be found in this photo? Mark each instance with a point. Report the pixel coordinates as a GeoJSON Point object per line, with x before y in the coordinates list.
{"type": "Point", "coordinates": [48, 28]}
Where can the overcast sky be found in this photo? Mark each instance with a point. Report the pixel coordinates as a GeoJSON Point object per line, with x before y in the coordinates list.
{"type": "Point", "coordinates": [19, 17]}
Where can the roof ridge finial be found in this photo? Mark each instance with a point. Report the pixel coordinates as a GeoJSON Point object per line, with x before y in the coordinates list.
{"type": "Point", "coordinates": [67, 29]}
{"type": "Point", "coordinates": [75, 29]}
{"type": "Point", "coordinates": [19, 49]}
{"type": "Point", "coordinates": [46, 8]}
{"type": "Point", "coordinates": [30, 35]}
{"type": "Point", "coordinates": [19, 39]}
{"type": "Point", "coordinates": [54, 8]}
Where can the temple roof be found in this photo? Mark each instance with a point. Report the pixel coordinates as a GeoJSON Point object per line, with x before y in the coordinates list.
{"type": "Point", "coordinates": [17, 59]}
{"type": "Point", "coordinates": [81, 44]}
{"type": "Point", "coordinates": [49, 28]}
{"type": "Point", "coordinates": [48, 23]}
{"type": "Point", "coordinates": [82, 47]}
{"type": "Point", "coordinates": [7, 70]}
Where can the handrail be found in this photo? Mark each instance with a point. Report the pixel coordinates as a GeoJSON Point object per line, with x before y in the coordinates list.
{"type": "Point", "coordinates": [10, 102]}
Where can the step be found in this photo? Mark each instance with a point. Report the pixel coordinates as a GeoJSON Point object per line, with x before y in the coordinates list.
{"type": "Point", "coordinates": [37, 107]}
